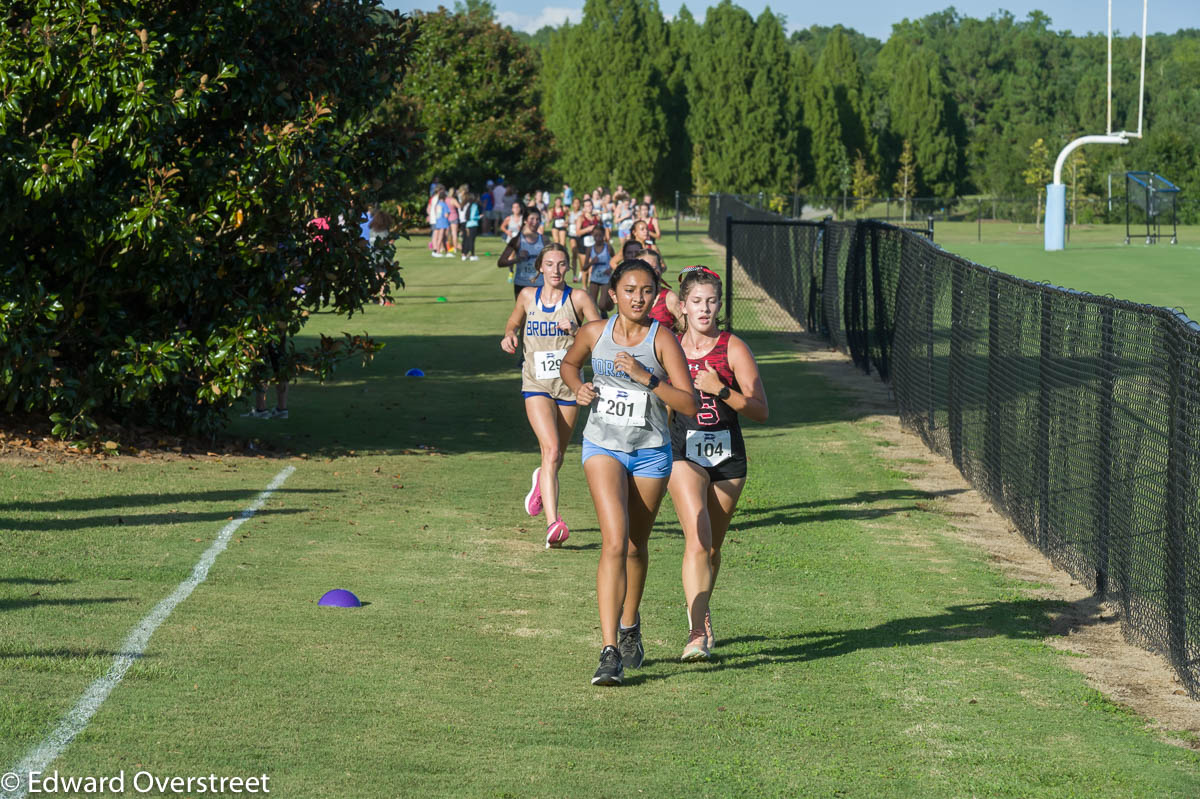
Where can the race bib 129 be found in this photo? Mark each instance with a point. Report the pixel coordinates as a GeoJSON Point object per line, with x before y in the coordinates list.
{"type": "Point", "coordinates": [546, 364]}
{"type": "Point", "coordinates": [709, 448]}
{"type": "Point", "coordinates": [624, 407]}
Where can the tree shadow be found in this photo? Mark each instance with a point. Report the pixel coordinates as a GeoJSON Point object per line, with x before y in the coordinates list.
{"type": "Point", "coordinates": [65, 653]}
{"type": "Point", "coordinates": [121, 501]}
{"type": "Point", "coordinates": [32, 580]}
{"type": "Point", "coordinates": [469, 400]}
{"type": "Point", "coordinates": [25, 602]}
{"type": "Point", "coordinates": [843, 509]}
{"type": "Point", "coordinates": [140, 520]}
{"type": "Point", "coordinates": [1023, 619]}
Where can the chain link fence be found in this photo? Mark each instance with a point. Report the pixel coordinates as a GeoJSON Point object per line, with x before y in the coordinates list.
{"type": "Point", "coordinates": [1077, 416]}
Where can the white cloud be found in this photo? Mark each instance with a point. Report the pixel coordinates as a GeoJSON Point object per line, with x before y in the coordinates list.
{"type": "Point", "coordinates": [532, 23]}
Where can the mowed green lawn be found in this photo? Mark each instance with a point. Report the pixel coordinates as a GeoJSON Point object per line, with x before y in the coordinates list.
{"type": "Point", "coordinates": [863, 651]}
{"type": "Point", "coordinates": [1095, 260]}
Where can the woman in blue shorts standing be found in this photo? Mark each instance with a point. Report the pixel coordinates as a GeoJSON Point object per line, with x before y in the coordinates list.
{"type": "Point", "coordinates": [550, 316]}
{"type": "Point", "coordinates": [639, 371]}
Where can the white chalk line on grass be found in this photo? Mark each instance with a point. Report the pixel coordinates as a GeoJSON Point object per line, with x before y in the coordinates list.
{"type": "Point", "coordinates": [78, 716]}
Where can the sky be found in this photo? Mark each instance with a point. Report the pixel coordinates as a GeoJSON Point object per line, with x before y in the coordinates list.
{"type": "Point", "coordinates": [875, 17]}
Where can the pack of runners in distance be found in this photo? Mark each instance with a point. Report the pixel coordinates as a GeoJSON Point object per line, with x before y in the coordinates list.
{"type": "Point", "coordinates": [665, 397]}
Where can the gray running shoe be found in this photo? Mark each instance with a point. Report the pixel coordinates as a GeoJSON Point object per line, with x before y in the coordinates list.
{"type": "Point", "coordinates": [265, 413]}
{"type": "Point", "coordinates": [629, 643]}
{"type": "Point", "coordinates": [610, 672]}
{"type": "Point", "coordinates": [279, 413]}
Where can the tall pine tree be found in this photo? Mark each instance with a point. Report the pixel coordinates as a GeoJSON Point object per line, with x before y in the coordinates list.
{"type": "Point", "coordinates": [607, 113]}
{"type": "Point", "coordinates": [918, 106]}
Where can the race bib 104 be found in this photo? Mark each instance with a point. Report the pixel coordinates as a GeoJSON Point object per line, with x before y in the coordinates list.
{"type": "Point", "coordinates": [624, 407]}
{"type": "Point", "coordinates": [709, 448]}
{"type": "Point", "coordinates": [546, 364]}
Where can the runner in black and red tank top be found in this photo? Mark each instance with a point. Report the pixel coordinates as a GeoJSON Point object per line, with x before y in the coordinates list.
{"type": "Point", "coordinates": [666, 304]}
{"type": "Point", "coordinates": [708, 450]}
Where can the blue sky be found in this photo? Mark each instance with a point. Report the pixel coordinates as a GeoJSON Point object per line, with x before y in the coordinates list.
{"type": "Point", "coordinates": [875, 17]}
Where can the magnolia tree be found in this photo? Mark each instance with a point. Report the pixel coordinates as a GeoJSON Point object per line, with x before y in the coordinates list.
{"type": "Point", "coordinates": [162, 163]}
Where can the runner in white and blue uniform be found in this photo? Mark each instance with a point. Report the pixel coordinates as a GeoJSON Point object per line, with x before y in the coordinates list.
{"type": "Point", "coordinates": [636, 367]}
{"type": "Point", "coordinates": [522, 251]}
{"type": "Point", "coordinates": [600, 262]}
{"type": "Point", "coordinates": [549, 316]}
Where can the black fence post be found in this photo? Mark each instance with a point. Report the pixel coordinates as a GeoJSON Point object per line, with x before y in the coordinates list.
{"type": "Point", "coordinates": [929, 226]}
{"type": "Point", "coordinates": [929, 336]}
{"type": "Point", "coordinates": [955, 375]}
{"type": "Point", "coordinates": [729, 273]}
{"type": "Point", "coordinates": [677, 215]}
{"type": "Point", "coordinates": [1176, 560]}
{"type": "Point", "coordinates": [993, 457]}
{"type": "Point", "coordinates": [1103, 496]}
{"type": "Point", "coordinates": [1042, 442]}
{"type": "Point", "coordinates": [979, 220]}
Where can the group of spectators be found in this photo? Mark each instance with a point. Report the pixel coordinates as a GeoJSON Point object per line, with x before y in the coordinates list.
{"type": "Point", "coordinates": [458, 216]}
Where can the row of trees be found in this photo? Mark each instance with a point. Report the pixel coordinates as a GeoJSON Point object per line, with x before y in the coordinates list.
{"type": "Point", "coordinates": [731, 102]}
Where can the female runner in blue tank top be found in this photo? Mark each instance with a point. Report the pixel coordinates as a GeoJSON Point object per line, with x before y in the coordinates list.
{"type": "Point", "coordinates": [638, 372]}
{"type": "Point", "coordinates": [522, 251]}
{"type": "Point", "coordinates": [549, 316]}
{"type": "Point", "coordinates": [708, 449]}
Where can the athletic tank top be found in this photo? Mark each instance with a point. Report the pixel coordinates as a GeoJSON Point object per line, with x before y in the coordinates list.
{"type": "Point", "coordinates": [660, 310]}
{"type": "Point", "coordinates": [546, 343]}
{"type": "Point", "coordinates": [626, 416]}
{"type": "Point", "coordinates": [713, 415]}
{"type": "Point", "coordinates": [526, 273]}
{"type": "Point", "coordinates": [601, 264]}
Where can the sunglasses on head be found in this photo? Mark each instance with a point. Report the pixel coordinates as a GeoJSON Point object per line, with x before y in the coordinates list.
{"type": "Point", "coordinates": [689, 269]}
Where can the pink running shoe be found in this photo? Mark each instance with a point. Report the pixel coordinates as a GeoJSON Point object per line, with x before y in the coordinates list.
{"type": "Point", "coordinates": [556, 534]}
{"type": "Point", "coordinates": [533, 500]}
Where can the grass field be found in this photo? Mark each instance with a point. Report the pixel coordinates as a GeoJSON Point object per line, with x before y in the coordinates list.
{"type": "Point", "coordinates": [1095, 260]}
{"type": "Point", "coordinates": [863, 650]}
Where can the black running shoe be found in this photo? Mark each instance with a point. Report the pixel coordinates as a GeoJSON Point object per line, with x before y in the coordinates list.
{"type": "Point", "coordinates": [610, 672]}
{"type": "Point", "coordinates": [629, 644]}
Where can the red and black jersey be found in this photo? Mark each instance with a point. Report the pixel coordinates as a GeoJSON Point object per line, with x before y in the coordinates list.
{"type": "Point", "coordinates": [661, 312]}
{"type": "Point", "coordinates": [713, 413]}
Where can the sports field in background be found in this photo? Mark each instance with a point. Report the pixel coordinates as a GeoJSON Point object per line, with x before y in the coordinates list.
{"type": "Point", "coordinates": [1096, 260]}
{"type": "Point", "coordinates": [862, 650]}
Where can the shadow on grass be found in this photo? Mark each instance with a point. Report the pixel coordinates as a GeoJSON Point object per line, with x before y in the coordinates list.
{"type": "Point", "coordinates": [31, 581]}
{"type": "Point", "coordinates": [88, 522]}
{"type": "Point", "coordinates": [66, 654]}
{"type": "Point", "coordinates": [469, 401]}
{"type": "Point", "coordinates": [27, 602]}
{"type": "Point", "coordinates": [130, 501]}
{"type": "Point", "coordinates": [843, 509]}
{"type": "Point", "coordinates": [1025, 619]}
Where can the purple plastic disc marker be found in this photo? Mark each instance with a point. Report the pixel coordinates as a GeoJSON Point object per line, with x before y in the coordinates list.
{"type": "Point", "coordinates": [339, 598]}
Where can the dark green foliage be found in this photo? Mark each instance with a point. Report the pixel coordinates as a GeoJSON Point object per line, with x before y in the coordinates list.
{"type": "Point", "coordinates": [160, 163]}
{"type": "Point", "coordinates": [473, 91]}
{"type": "Point", "coordinates": [745, 108]}
{"type": "Point", "coordinates": [917, 110]}
{"type": "Point", "coordinates": [609, 97]}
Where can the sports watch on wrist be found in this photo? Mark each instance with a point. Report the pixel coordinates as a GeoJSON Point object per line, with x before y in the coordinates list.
{"type": "Point", "coordinates": [723, 394]}
{"type": "Point", "coordinates": [653, 382]}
